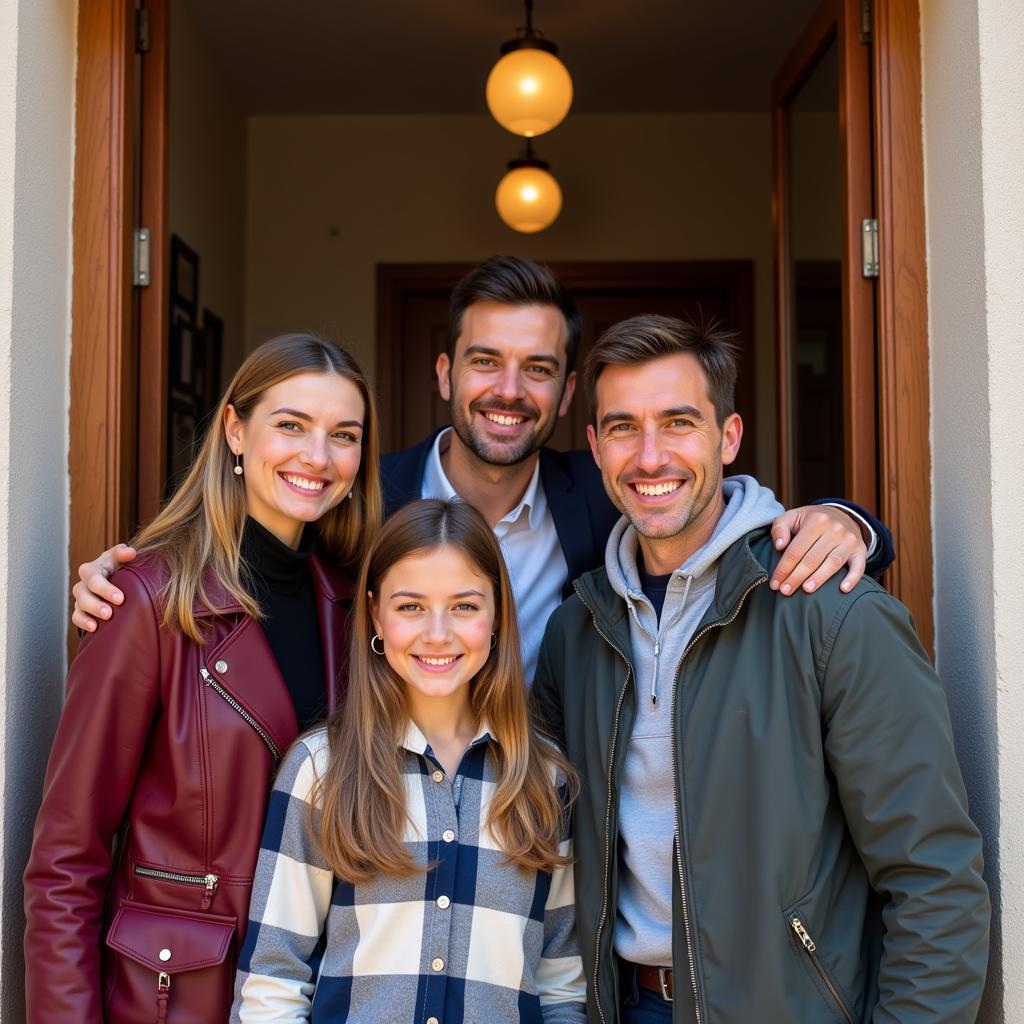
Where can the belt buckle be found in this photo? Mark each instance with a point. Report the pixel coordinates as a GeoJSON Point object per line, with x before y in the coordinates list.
{"type": "Point", "coordinates": [663, 980]}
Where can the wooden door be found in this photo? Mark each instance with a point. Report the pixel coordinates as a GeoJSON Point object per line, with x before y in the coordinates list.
{"type": "Point", "coordinates": [412, 302]}
{"type": "Point", "coordinates": [863, 62]}
{"type": "Point", "coordinates": [120, 184]}
{"type": "Point", "coordinates": [824, 302]}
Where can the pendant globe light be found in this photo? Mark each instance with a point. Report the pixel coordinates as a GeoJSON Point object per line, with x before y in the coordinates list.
{"type": "Point", "coordinates": [529, 198]}
{"type": "Point", "coordinates": [529, 90]}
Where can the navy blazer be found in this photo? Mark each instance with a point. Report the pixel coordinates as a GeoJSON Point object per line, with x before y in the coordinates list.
{"type": "Point", "coordinates": [583, 514]}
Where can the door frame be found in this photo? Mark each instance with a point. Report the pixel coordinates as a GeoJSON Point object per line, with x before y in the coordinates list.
{"type": "Point", "coordinates": [104, 432]}
{"type": "Point", "coordinates": [886, 386]}
{"type": "Point", "coordinates": [116, 387]}
{"type": "Point", "coordinates": [832, 23]}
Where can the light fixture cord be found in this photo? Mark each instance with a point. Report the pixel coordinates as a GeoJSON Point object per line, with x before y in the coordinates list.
{"type": "Point", "coordinates": [529, 17]}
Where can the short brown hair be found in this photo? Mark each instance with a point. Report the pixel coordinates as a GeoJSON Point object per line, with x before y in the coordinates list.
{"type": "Point", "coordinates": [641, 339]}
{"type": "Point", "coordinates": [514, 281]}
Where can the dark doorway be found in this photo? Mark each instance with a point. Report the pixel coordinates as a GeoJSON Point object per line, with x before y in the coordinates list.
{"type": "Point", "coordinates": [412, 317]}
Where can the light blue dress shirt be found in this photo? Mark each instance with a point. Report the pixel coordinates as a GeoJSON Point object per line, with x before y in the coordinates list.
{"type": "Point", "coordinates": [529, 542]}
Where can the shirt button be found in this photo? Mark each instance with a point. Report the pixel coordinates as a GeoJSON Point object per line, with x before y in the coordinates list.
{"type": "Point", "coordinates": [448, 835]}
{"type": "Point", "coordinates": [443, 902]}
{"type": "Point", "coordinates": [437, 964]}
{"type": "Point", "coordinates": [432, 1020]}
{"type": "Point", "coordinates": [438, 776]}
{"type": "Point", "coordinates": [221, 666]}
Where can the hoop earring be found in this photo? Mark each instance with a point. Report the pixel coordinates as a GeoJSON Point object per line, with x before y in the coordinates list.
{"type": "Point", "coordinates": [238, 464]}
{"type": "Point", "coordinates": [376, 636]}
{"type": "Point", "coordinates": [494, 640]}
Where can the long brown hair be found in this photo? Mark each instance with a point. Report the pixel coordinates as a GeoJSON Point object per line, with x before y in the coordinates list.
{"type": "Point", "coordinates": [361, 792]}
{"type": "Point", "coordinates": [198, 533]}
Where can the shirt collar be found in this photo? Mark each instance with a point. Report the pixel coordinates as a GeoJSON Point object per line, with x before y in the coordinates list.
{"type": "Point", "coordinates": [437, 485]}
{"type": "Point", "coordinates": [416, 743]}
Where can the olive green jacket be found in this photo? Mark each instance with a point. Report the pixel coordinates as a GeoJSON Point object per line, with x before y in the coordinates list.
{"type": "Point", "coordinates": [826, 867]}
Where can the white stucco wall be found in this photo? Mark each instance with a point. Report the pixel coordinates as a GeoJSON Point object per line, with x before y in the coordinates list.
{"type": "Point", "coordinates": [37, 68]}
{"type": "Point", "coordinates": [974, 149]}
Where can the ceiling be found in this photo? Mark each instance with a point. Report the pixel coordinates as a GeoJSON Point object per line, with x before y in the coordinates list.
{"type": "Point", "coordinates": [433, 56]}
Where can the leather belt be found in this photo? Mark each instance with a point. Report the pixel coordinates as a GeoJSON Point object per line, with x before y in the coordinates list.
{"type": "Point", "coordinates": [655, 979]}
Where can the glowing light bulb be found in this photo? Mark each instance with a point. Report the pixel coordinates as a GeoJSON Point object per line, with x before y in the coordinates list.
{"type": "Point", "coordinates": [528, 198]}
{"type": "Point", "coordinates": [529, 91]}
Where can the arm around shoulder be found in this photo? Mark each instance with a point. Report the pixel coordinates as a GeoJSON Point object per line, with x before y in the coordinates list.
{"type": "Point", "coordinates": [889, 741]}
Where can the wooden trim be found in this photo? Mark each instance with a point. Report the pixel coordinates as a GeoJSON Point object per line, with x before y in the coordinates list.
{"type": "Point", "coordinates": [798, 65]}
{"type": "Point", "coordinates": [904, 412]}
{"type": "Point", "coordinates": [860, 420]}
{"type": "Point", "coordinates": [101, 425]}
{"type": "Point", "coordinates": [153, 300]}
{"type": "Point", "coordinates": [393, 280]}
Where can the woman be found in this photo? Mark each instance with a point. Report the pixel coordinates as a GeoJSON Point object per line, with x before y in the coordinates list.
{"type": "Point", "coordinates": [178, 711]}
{"type": "Point", "coordinates": [414, 864]}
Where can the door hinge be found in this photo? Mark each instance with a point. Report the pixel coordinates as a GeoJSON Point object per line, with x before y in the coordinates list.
{"type": "Point", "coordinates": [142, 30]}
{"type": "Point", "coordinates": [865, 21]}
{"type": "Point", "coordinates": [869, 246]}
{"type": "Point", "coordinates": [140, 257]}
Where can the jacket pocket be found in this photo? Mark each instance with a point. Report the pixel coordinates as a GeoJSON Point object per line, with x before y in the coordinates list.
{"type": "Point", "coordinates": [807, 950]}
{"type": "Point", "coordinates": [172, 966]}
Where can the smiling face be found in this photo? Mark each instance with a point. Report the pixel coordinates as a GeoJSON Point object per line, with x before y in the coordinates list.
{"type": "Point", "coordinates": [507, 385]}
{"type": "Point", "coordinates": [300, 449]}
{"type": "Point", "coordinates": [661, 452]}
{"type": "Point", "coordinates": [434, 613]}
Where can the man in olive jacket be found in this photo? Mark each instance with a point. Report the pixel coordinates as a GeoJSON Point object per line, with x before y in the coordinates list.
{"type": "Point", "coordinates": [772, 824]}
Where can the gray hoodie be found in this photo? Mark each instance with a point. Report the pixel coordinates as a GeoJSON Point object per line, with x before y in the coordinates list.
{"type": "Point", "coordinates": [643, 931]}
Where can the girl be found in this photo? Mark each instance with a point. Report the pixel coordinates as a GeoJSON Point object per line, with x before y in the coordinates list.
{"type": "Point", "coordinates": [414, 863]}
{"type": "Point", "coordinates": [232, 636]}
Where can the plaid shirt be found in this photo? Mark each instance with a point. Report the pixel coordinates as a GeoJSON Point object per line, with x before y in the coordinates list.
{"type": "Point", "coordinates": [471, 940]}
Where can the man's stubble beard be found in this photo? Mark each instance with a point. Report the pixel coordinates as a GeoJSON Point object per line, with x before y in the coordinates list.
{"type": "Point", "coordinates": [499, 454]}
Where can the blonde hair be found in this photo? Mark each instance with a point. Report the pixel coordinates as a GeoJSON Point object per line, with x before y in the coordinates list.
{"type": "Point", "coordinates": [361, 792]}
{"type": "Point", "coordinates": [198, 533]}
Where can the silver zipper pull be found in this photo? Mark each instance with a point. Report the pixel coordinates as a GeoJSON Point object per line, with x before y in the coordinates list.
{"type": "Point", "coordinates": [654, 680]}
{"type": "Point", "coordinates": [802, 934]}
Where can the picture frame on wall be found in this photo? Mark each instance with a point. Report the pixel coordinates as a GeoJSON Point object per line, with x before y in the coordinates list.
{"type": "Point", "coordinates": [181, 361]}
{"type": "Point", "coordinates": [184, 278]}
{"type": "Point", "coordinates": [212, 351]}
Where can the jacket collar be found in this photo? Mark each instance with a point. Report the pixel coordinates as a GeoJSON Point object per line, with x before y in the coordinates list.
{"type": "Point", "coordinates": [742, 565]}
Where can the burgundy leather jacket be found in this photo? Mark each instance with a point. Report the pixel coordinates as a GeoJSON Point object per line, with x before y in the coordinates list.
{"type": "Point", "coordinates": [137, 889]}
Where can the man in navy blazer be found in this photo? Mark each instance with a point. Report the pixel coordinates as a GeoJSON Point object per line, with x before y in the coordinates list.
{"type": "Point", "coordinates": [508, 376]}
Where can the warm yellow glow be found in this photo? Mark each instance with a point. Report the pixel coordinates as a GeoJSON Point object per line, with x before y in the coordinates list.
{"type": "Point", "coordinates": [529, 92]}
{"type": "Point", "coordinates": [528, 199]}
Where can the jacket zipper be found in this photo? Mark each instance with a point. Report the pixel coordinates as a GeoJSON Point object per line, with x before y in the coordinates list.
{"type": "Point", "coordinates": [809, 945]}
{"type": "Point", "coordinates": [261, 732]}
{"type": "Point", "coordinates": [675, 784]}
{"type": "Point", "coordinates": [207, 882]}
{"type": "Point", "coordinates": [608, 805]}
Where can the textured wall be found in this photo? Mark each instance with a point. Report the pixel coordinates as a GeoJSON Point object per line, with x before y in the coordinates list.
{"type": "Point", "coordinates": [974, 148]}
{"type": "Point", "coordinates": [37, 66]}
{"type": "Point", "coordinates": [330, 197]}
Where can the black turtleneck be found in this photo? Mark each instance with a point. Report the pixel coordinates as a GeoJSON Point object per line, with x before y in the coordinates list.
{"type": "Point", "coordinates": [278, 577]}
